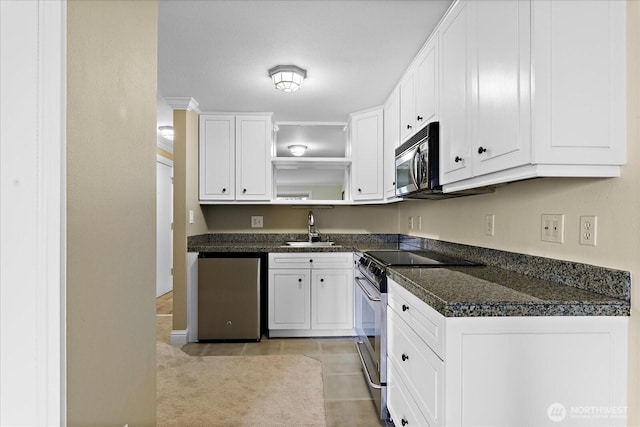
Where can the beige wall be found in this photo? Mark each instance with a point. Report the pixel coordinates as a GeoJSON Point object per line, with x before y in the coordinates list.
{"type": "Point", "coordinates": [185, 193]}
{"type": "Point", "coordinates": [518, 206]}
{"type": "Point", "coordinates": [287, 219]}
{"type": "Point", "coordinates": [111, 163]}
{"type": "Point", "coordinates": [164, 153]}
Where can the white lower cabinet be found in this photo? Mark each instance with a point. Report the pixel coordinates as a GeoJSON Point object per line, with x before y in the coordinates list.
{"type": "Point", "coordinates": [289, 299]}
{"type": "Point", "coordinates": [310, 294]}
{"type": "Point", "coordinates": [503, 371]}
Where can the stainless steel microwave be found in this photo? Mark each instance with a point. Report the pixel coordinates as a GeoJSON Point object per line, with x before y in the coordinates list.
{"type": "Point", "coordinates": [417, 163]}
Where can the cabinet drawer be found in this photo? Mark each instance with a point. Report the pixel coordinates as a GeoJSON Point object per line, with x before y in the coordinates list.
{"type": "Point", "coordinates": [419, 366]}
{"type": "Point", "coordinates": [402, 408]}
{"type": "Point", "coordinates": [427, 322]}
{"type": "Point", "coordinates": [313, 260]}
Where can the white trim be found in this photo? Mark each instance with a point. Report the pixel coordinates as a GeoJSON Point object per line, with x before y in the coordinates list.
{"type": "Point", "coordinates": [32, 177]}
{"type": "Point", "coordinates": [306, 333]}
{"type": "Point", "coordinates": [178, 337]}
{"type": "Point", "coordinates": [182, 103]}
{"type": "Point", "coordinates": [294, 123]}
{"type": "Point", "coordinates": [165, 144]}
{"type": "Point", "coordinates": [164, 160]}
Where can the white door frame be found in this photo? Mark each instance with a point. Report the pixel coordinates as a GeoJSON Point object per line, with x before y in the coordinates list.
{"type": "Point", "coordinates": [32, 212]}
{"type": "Point", "coordinates": [167, 162]}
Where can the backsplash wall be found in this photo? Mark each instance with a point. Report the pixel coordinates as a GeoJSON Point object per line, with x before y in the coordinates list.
{"type": "Point", "coordinates": [288, 219]}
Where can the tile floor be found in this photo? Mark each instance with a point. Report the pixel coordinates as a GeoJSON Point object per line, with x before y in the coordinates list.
{"type": "Point", "coordinates": [347, 399]}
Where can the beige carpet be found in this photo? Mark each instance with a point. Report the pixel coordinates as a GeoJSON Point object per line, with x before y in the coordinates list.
{"type": "Point", "coordinates": [237, 390]}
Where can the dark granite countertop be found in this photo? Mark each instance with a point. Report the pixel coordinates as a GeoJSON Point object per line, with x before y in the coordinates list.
{"type": "Point", "coordinates": [276, 243]}
{"type": "Point", "coordinates": [492, 291]}
{"type": "Point", "coordinates": [510, 285]}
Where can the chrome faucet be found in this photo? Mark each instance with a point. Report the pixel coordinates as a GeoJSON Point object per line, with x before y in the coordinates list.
{"type": "Point", "coordinates": [314, 236]}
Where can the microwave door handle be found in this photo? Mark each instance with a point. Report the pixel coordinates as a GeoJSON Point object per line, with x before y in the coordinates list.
{"type": "Point", "coordinates": [412, 169]}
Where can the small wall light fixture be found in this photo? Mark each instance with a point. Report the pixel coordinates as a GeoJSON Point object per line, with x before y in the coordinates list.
{"type": "Point", "coordinates": [287, 78]}
{"type": "Point", "coordinates": [297, 149]}
{"type": "Point", "coordinates": [166, 132]}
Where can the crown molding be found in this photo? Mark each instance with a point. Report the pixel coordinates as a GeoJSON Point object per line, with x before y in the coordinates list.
{"type": "Point", "coordinates": [182, 103]}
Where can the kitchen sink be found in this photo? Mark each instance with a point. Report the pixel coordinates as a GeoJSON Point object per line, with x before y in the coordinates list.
{"type": "Point", "coordinates": [310, 244]}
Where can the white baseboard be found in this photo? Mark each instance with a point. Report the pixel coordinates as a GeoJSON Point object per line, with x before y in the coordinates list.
{"type": "Point", "coordinates": [178, 337]}
{"type": "Point", "coordinates": [305, 333]}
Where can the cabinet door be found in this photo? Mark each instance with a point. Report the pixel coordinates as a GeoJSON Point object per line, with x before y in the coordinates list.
{"type": "Point", "coordinates": [332, 299]}
{"type": "Point", "coordinates": [400, 404]}
{"type": "Point", "coordinates": [289, 299]}
{"type": "Point", "coordinates": [217, 157]}
{"type": "Point", "coordinates": [502, 131]}
{"type": "Point", "coordinates": [366, 146]}
{"type": "Point", "coordinates": [427, 84]}
{"type": "Point", "coordinates": [578, 61]}
{"type": "Point", "coordinates": [407, 106]}
{"type": "Point", "coordinates": [253, 151]}
{"type": "Point", "coordinates": [421, 369]}
{"type": "Point", "coordinates": [391, 142]}
{"type": "Point", "coordinates": [456, 81]}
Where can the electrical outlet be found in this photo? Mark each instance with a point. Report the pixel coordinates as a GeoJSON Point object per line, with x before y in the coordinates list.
{"type": "Point", "coordinates": [419, 221]}
{"type": "Point", "coordinates": [489, 224]}
{"type": "Point", "coordinates": [552, 228]}
{"type": "Point", "coordinates": [410, 223]}
{"type": "Point", "coordinates": [256, 222]}
{"type": "Point", "coordinates": [588, 230]}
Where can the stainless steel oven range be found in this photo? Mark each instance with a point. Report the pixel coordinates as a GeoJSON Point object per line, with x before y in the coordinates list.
{"type": "Point", "coordinates": [370, 275]}
{"type": "Point", "coordinates": [370, 322]}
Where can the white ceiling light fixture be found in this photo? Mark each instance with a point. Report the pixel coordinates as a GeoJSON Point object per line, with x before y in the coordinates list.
{"type": "Point", "coordinates": [166, 132]}
{"type": "Point", "coordinates": [287, 78]}
{"type": "Point", "coordinates": [297, 149]}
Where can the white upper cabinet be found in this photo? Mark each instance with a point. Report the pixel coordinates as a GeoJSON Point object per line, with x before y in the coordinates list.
{"type": "Point", "coordinates": [419, 91]}
{"type": "Point", "coordinates": [253, 150]}
{"type": "Point", "coordinates": [579, 68]}
{"type": "Point", "coordinates": [531, 89]}
{"type": "Point", "coordinates": [235, 157]}
{"type": "Point", "coordinates": [501, 120]}
{"type": "Point", "coordinates": [408, 105]}
{"type": "Point", "coordinates": [485, 60]}
{"type": "Point", "coordinates": [426, 78]}
{"type": "Point", "coordinates": [456, 84]}
{"type": "Point", "coordinates": [217, 157]}
{"type": "Point", "coordinates": [391, 142]}
{"type": "Point", "coordinates": [366, 151]}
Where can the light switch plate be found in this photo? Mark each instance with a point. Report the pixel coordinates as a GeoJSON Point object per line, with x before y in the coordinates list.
{"type": "Point", "coordinates": [489, 224]}
{"type": "Point", "coordinates": [552, 228]}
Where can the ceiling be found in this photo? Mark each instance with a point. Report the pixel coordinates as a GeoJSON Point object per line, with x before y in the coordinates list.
{"type": "Point", "coordinates": [218, 53]}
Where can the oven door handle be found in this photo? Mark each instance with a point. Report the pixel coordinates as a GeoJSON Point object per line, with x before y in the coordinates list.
{"type": "Point", "coordinates": [364, 366]}
{"type": "Point", "coordinates": [370, 297]}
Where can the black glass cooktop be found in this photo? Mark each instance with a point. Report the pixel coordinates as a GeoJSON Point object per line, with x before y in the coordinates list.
{"type": "Point", "coordinates": [418, 259]}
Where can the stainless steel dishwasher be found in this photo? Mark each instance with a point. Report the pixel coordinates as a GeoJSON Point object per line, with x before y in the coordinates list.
{"type": "Point", "coordinates": [229, 290]}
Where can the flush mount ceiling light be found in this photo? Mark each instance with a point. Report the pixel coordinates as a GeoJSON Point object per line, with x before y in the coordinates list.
{"type": "Point", "coordinates": [287, 78]}
{"type": "Point", "coordinates": [166, 132]}
{"type": "Point", "coordinates": [297, 149]}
